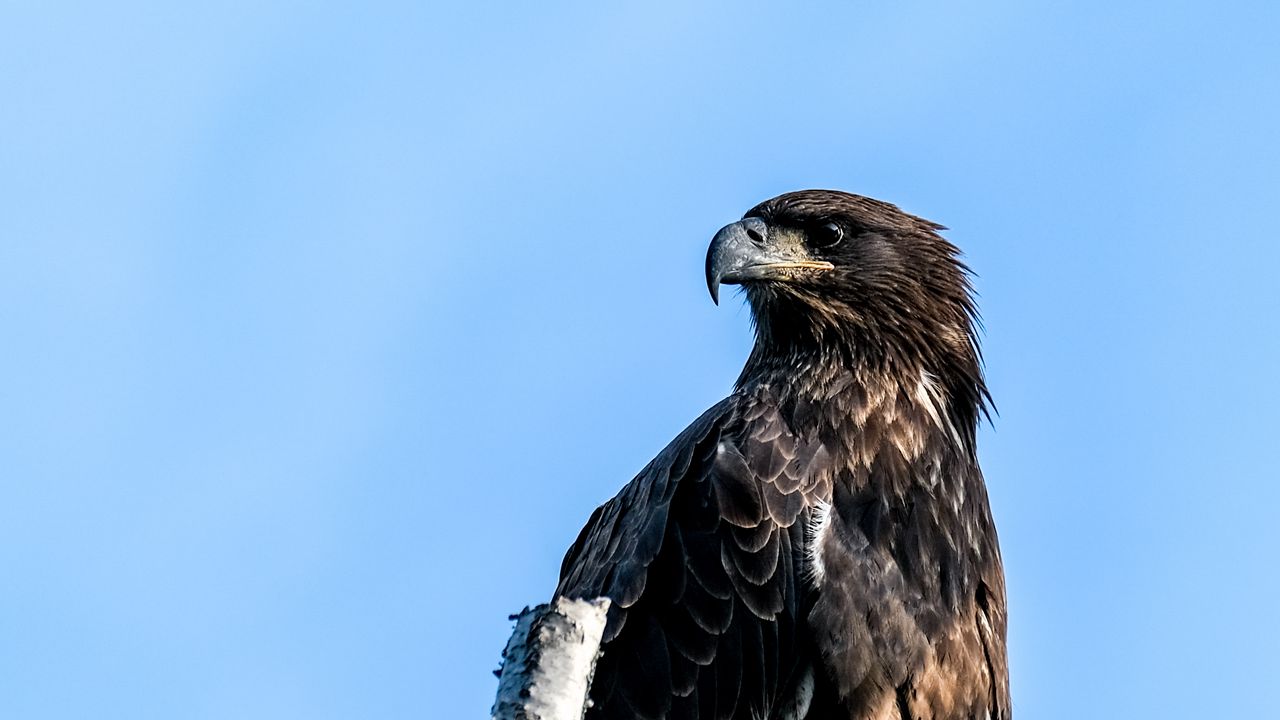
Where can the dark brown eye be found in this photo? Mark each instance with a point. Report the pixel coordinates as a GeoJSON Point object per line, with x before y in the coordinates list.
{"type": "Point", "coordinates": [826, 236]}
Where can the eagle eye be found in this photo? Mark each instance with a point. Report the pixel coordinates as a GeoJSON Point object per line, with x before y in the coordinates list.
{"type": "Point", "coordinates": [826, 236]}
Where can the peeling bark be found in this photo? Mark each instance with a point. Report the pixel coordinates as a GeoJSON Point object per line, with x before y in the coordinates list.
{"type": "Point", "coordinates": [549, 660]}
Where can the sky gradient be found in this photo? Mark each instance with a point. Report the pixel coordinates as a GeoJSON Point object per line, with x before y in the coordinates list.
{"type": "Point", "coordinates": [326, 327]}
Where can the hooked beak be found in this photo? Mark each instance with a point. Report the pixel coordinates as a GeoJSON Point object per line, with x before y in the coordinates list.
{"type": "Point", "coordinates": [742, 252]}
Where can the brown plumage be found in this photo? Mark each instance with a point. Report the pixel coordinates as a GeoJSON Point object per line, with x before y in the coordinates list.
{"type": "Point", "coordinates": [818, 544]}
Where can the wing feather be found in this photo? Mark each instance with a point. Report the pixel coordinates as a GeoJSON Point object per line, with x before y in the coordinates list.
{"type": "Point", "coordinates": [698, 553]}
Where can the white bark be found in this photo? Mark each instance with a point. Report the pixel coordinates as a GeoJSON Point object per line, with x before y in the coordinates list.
{"type": "Point", "coordinates": [549, 660]}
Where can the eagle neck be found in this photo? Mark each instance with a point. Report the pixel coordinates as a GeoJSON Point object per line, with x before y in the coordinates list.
{"type": "Point", "coordinates": [841, 378]}
{"type": "Point", "coordinates": [862, 407]}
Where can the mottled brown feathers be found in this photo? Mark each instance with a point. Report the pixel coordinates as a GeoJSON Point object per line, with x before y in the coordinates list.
{"type": "Point", "coordinates": [819, 543]}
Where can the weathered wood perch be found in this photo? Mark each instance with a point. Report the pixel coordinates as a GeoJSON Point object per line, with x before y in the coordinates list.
{"type": "Point", "coordinates": [549, 660]}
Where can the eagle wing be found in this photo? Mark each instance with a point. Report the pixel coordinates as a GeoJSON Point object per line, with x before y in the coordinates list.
{"type": "Point", "coordinates": [704, 557]}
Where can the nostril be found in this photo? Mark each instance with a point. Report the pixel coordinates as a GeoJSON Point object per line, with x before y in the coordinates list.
{"type": "Point", "coordinates": [755, 229]}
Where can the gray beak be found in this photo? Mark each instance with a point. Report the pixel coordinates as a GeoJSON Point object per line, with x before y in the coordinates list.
{"type": "Point", "coordinates": [743, 251]}
{"type": "Point", "coordinates": [737, 247]}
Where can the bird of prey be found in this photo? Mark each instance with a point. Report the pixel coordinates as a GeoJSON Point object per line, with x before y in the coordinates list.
{"type": "Point", "coordinates": [819, 544]}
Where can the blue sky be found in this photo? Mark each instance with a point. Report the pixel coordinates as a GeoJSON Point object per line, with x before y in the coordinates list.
{"type": "Point", "coordinates": [326, 326]}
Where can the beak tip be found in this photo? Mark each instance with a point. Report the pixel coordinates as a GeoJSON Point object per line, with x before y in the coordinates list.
{"type": "Point", "coordinates": [713, 278]}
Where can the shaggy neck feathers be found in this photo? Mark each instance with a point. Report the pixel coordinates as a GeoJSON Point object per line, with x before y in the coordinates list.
{"type": "Point", "coordinates": [837, 377]}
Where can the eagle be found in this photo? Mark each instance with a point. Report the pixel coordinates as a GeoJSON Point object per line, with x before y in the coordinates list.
{"type": "Point", "coordinates": [819, 544]}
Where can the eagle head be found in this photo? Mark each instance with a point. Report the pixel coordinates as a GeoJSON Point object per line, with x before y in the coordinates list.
{"type": "Point", "coordinates": [833, 277]}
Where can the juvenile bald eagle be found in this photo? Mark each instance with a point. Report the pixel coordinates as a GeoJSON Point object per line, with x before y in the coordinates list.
{"type": "Point", "coordinates": [819, 543]}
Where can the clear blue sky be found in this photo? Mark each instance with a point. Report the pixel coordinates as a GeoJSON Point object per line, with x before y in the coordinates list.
{"type": "Point", "coordinates": [326, 327]}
